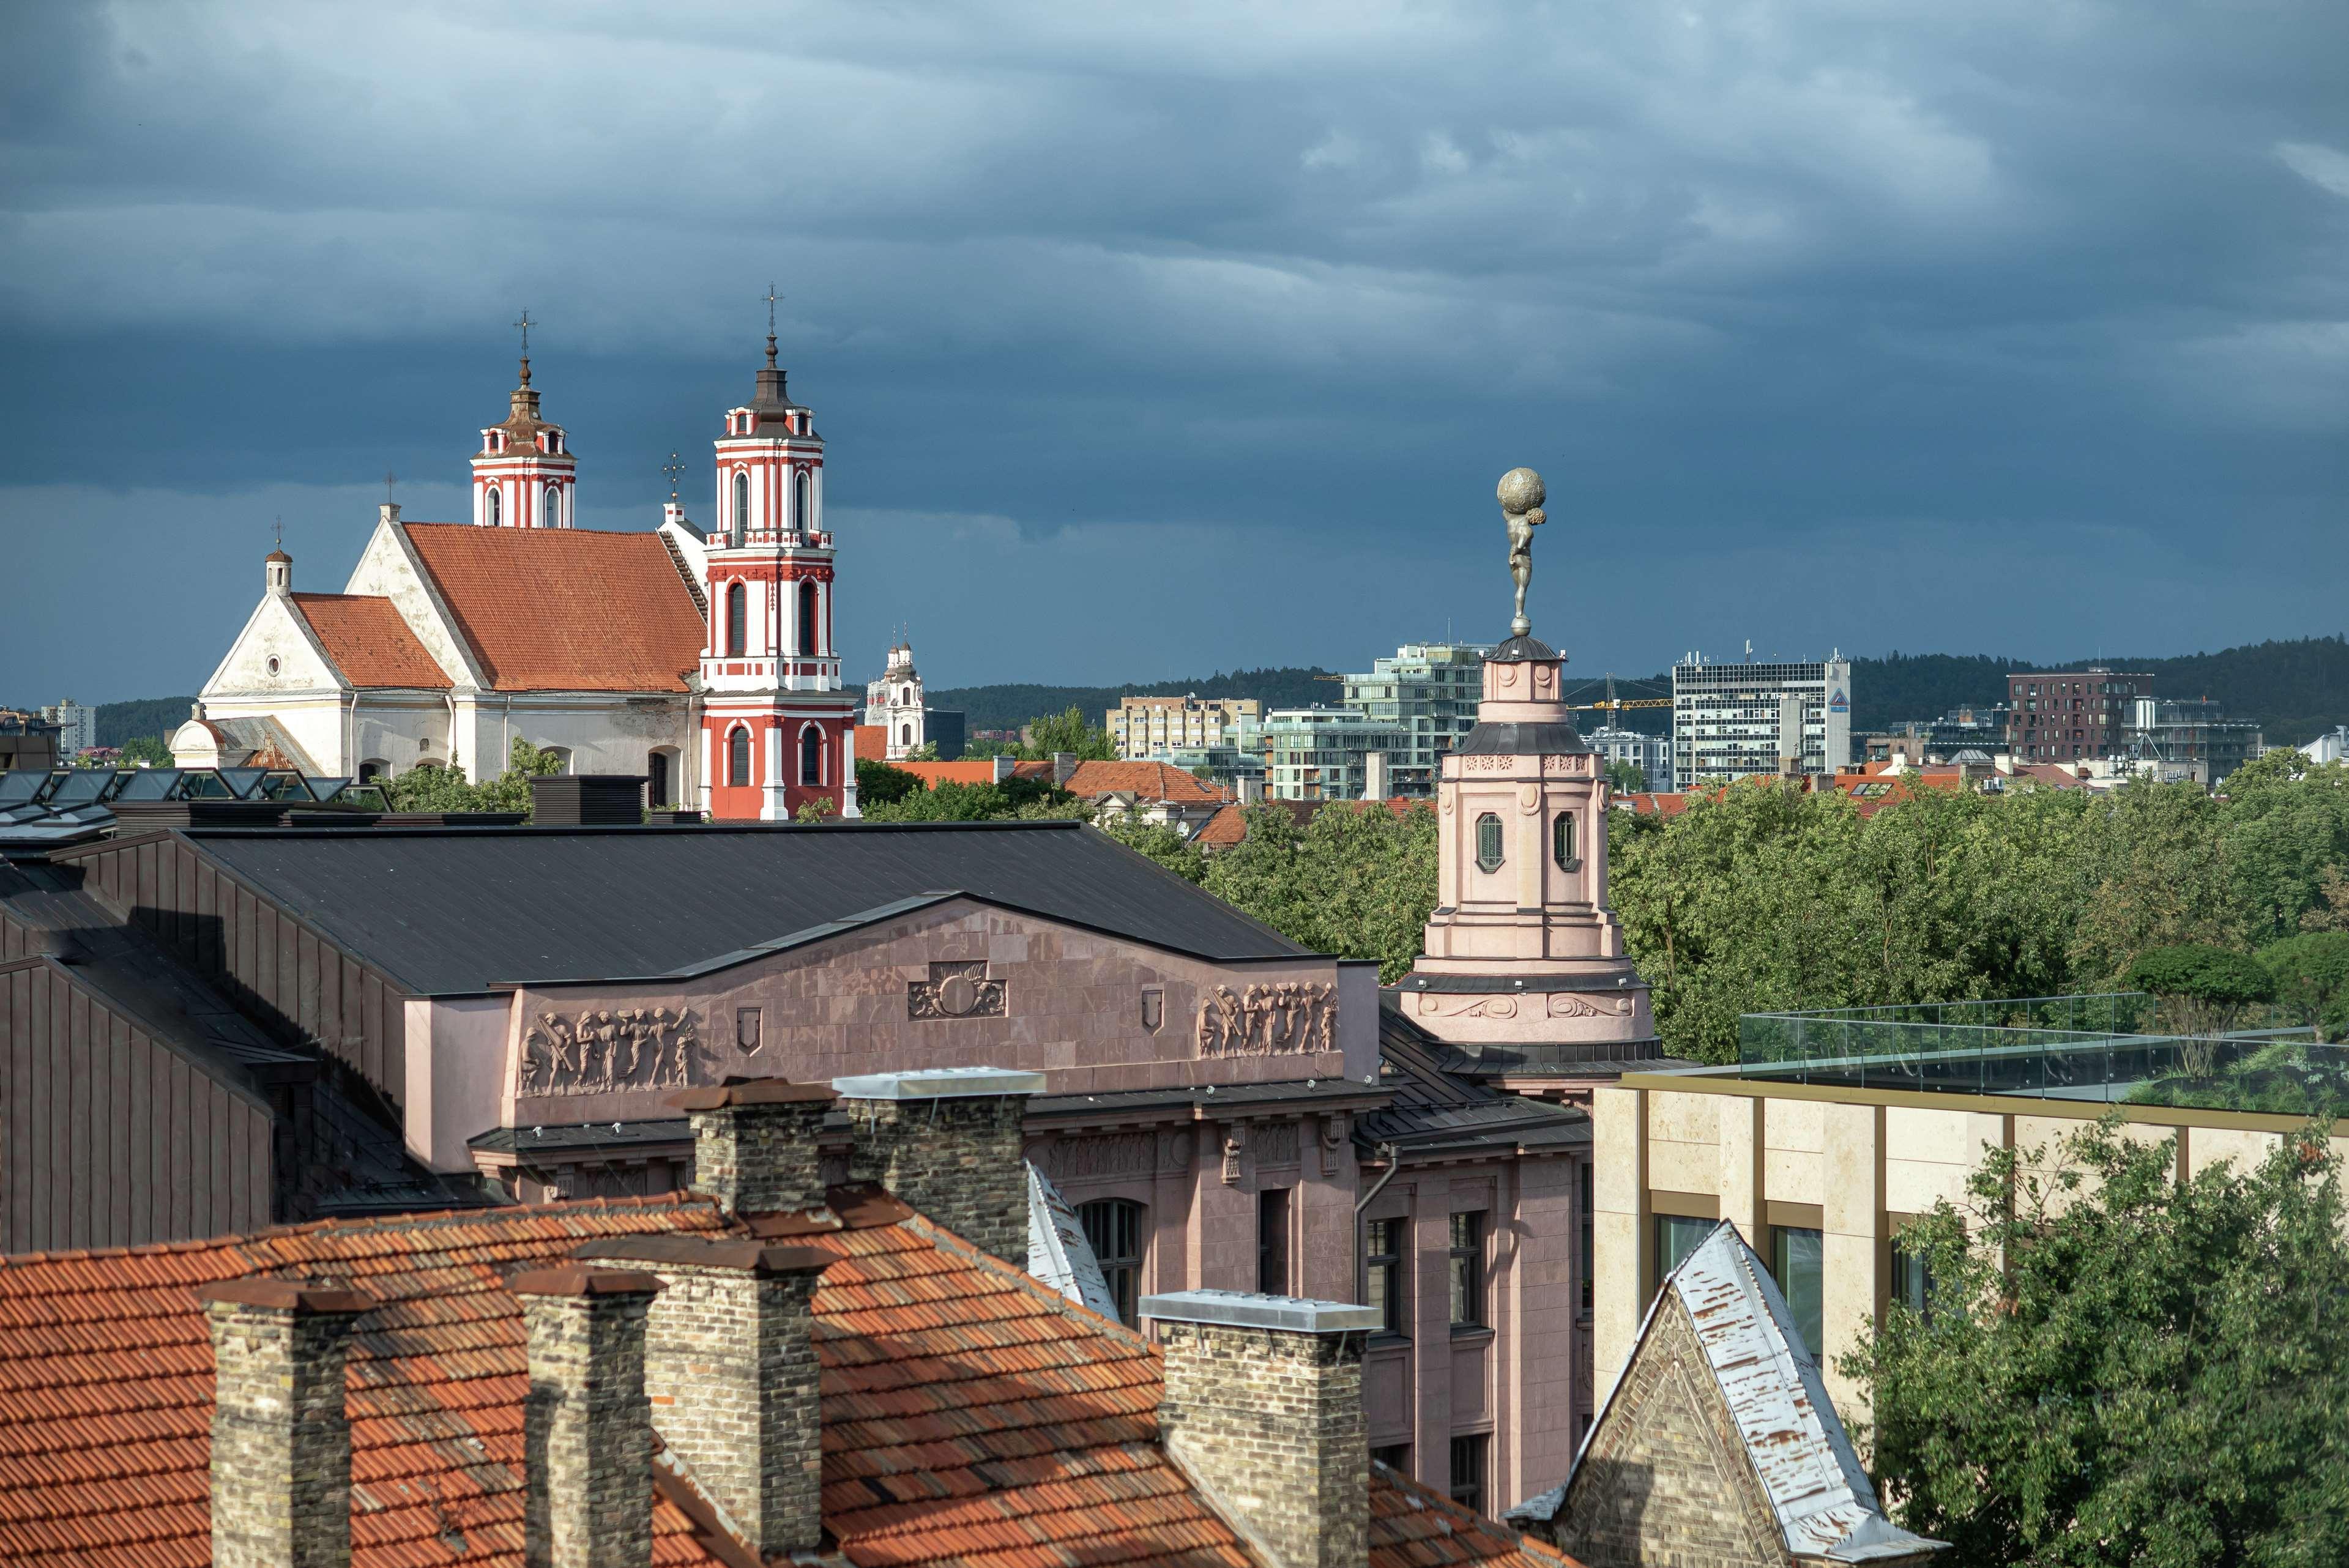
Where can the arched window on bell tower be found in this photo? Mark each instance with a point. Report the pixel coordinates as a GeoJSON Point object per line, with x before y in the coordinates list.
{"type": "Point", "coordinates": [811, 755]}
{"type": "Point", "coordinates": [490, 510]}
{"type": "Point", "coordinates": [800, 517]}
{"type": "Point", "coordinates": [738, 621]}
{"type": "Point", "coordinates": [738, 756]}
{"type": "Point", "coordinates": [742, 506]}
{"type": "Point", "coordinates": [807, 618]}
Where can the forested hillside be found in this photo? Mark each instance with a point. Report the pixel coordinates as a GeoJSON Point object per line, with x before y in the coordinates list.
{"type": "Point", "coordinates": [153, 717]}
{"type": "Point", "coordinates": [1009, 706]}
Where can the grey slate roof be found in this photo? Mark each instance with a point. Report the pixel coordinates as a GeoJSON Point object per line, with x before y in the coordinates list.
{"type": "Point", "coordinates": [457, 909]}
{"type": "Point", "coordinates": [1437, 1110]}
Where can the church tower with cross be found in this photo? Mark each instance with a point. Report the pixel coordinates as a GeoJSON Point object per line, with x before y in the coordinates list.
{"type": "Point", "coordinates": [524, 475]}
{"type": "Point", "coordinates": [777, 724]}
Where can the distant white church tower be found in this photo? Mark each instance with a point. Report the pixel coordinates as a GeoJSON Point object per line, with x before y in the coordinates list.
{"type": "Point", "coordinates": [525, 474]}
{"type": "Point", "coordinates": [895, 701]}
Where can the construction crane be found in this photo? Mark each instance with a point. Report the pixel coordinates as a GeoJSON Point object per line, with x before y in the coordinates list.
{"type": "Point", "coordinates": [1617, 703]}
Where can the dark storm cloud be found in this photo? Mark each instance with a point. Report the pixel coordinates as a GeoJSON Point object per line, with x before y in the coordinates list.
{"type": "Point", "coordinates": [1204, 329]}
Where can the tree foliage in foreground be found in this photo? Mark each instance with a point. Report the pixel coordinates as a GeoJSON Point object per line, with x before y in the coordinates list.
{"type": "Point", "coordinates": [434, 788]}
{"type": "Point", "coordinates": [2117, 1368]}
{"type": "Point", "coordinates": [1355, 883]}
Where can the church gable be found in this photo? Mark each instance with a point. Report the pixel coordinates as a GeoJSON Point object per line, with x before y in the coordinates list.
{"type": "Point", "coordinates": [389, 569]}
{"type": "Point", "coordinates": [276, 653]}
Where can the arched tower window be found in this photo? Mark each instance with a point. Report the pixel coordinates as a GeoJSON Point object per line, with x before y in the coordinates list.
{"type": "Point", "coordinates": [492, 510]}
{"type": "Point", "coordinates": [742, 506]}
{"type": "Point", "coordinates": [800, 514]}
{"type": "Point", "coordinates": [553, 505]}
{"type": "Point", "coordinates": [1562, 841]}
{"type": "Point", "coordinates": [738, 620]}
{"type": "Point", "coordinates": [811, 756]}
{"type": "Point", "coordinates": [807, 617]}
{"type": "Point", "coordinates": [738, 755]}
{"type": "Point", "coordinates": [1488, 842]}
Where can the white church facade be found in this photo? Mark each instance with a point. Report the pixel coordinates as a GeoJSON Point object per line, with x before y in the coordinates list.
{"type": "Point", "coordinates": [703, 661]}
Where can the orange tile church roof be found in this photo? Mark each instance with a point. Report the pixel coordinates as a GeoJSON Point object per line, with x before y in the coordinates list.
{"type": "Point", "coordinates": [369, 641]}
{"type": "Point", "coordinates": [1150, 781]}
{"type": "Point", "coordinates": [970, 1414]}
{"type": "Point", "coordinates": [564, 609]}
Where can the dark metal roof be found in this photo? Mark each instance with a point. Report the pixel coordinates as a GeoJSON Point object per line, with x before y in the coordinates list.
{"type": "Point", "coordinates": [1523, 740]}
{"type": "Point", "coordinates": [448, 910]}
{"type": "Point", "coordinates": [1436, 1110]}
{"type": "Point", "coordinates": [1522, 649]}
{"type": "Point", "coordinates": [1298, 1094]}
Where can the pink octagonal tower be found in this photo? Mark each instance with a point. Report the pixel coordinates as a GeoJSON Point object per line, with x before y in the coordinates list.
{"type": "Point", "coordinates": [1522, 953]}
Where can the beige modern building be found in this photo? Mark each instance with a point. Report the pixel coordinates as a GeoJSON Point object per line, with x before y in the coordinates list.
{"type": "Point", "coordinates": [1820, 1157]}
{"type": "Point", "coordinates": [1148, 726]}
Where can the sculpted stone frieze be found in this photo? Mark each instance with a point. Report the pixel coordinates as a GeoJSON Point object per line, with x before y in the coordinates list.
{"type": "Point", "coordinates": [1118, 1154]}
{"type": "Point", "coordinates": [1565, 1005]}
{"type": "Point", "coordinates": [955, 990]}
{"type": "Point", "coordinates": [1270, 1020]}
{"type": "Point", "coordinates": [1276, 1143]}
{"type": "Point", "coordinates": [598, 1051]}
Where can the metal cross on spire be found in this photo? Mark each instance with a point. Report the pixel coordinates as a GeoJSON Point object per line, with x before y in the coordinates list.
{"type": "Point", "coordinates": [390, 479]}
{"type": "Point", "coordinates": [772, 297]}
{"type": "Point", "coordinates": [525, 323]}
{"type": "Point", "coordinates": [281, 531]}
{"type": "Point", "coordinates": [672, 467]}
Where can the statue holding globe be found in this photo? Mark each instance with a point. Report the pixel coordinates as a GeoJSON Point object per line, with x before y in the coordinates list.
{"type": "Point", "coordinates": [1521, 495]}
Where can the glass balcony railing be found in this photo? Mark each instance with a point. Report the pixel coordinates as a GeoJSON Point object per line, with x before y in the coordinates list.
{"type": "Point", "coordinates": [2104, 1047]}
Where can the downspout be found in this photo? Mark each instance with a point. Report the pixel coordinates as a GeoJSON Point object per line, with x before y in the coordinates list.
{"type": "Point", "coordinates": [1385, 1151]}
{"type": "Point", "coordinates": [450, 699]}
{"type": "Point", "coordinates": [350, 761]}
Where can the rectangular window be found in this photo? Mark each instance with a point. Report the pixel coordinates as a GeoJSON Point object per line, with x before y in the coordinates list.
{"type": "Point", "coordinates": [1272, 1240]}
{"type": "Point", "coordinates": [1583, 1263]}
{"type": "Point", "coordinates": [1396, 1457]}
{"type": "Point", "coordinates": [1796, 1259]}
{"type": "Point", "coordinates": [1912, 1282]}
{"type": "Point", "coordinates": [1384, 1284]}
{"type": "Point", "coordinates": [1677, 1236]}
{"type": "Point", "coordinates": [1468, 1472]}
{"type": "Point", "coordinates": [1468, 1271]}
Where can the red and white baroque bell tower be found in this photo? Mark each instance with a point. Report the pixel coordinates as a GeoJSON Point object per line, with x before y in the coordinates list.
{"type": "Point", "coordinates": [776, 725]}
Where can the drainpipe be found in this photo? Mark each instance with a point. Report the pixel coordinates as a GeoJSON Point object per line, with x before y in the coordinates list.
{"type": "Point", "coordinates": [350, 762]}
{"type": "Point", "coordinates": [452, 700]}
{"type": "Point", "coordinates": [1386, 1151]}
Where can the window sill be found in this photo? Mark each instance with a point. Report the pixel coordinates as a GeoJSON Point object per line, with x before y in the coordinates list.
{"type": "Point", "coordinates": [1386, 1340]}
{"type": "Point", "coordinates": [1468, 1331]}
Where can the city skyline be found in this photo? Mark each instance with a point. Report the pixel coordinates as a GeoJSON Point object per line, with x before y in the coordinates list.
{"type": "Point", "coordinates": [1200, 342]}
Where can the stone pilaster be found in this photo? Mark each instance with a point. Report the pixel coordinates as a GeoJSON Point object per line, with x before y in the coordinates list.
{"type": "Point", "coordinates": [588, 1434]}
{"type": "Point", "coordinates": [730, 1373]}
{"type": "Point", "coordinates": [1263, 1409]}
{"type": "Point", "coordinates": [947, 1141]}
{"type": "Point", "coordinates": [281, 1463]}
{"type": "Point", "coordinates": [754, 1144]}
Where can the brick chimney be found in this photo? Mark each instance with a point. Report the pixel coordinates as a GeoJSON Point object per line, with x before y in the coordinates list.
{"type": "Point", "coordinates": [588, 1434]}
{"type": "Point", "coordinates": [730, 1372]}
{"type": "Point", "coordinates": [754, 1144]}
{"type": "Point", "coordinates": [281, 1441]}
{"type": "Point", "coordinates": [947, 1141]}
{"type": "Point", "coordinates": [1263, 1409]}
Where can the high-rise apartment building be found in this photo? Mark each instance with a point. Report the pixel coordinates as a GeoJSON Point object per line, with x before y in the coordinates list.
{"type": "Point", "coordinates": [1144, 727]}
{"type": "Point", "coordinates": [1429, 691]}
{"type": "Point", "coordinates": [76, 727]}
{"type": "Point", "coordinates": [1727, 719]}
{"type": "Point", "coordinates": [1323, 754]}
{"type": "Point", "coordinates": [2056, 716]}
{"type": "Point", "coordinates": [1650, 754]}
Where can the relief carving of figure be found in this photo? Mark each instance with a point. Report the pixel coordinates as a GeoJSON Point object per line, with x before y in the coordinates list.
{"type": "Point", "coordinates": [1329, 1003]}
{"type": "Point", "coordinates": [1284, 1015]}
{"type": "Point", "coordinates": [1256, 1006]}
{"type": "Point", "coordinates": [1231, 1151]}
{"type": "Point", "coordinates": [636, 1048]}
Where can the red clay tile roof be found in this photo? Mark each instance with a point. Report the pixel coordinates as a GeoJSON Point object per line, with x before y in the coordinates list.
{"type": "Point", "coordinates": [1225, 828]}
{"type": "Point", "coordinates": [970, 1414]}
{"type": "Point", "coordinates": [978, 770]}
{"type": "Point", "coordinates": [564, 609]}
{"type": "Point", "coordinates": [1150, 781]}
{"type": "Point", "coordinates": [369, 641]}
{"type": "Point", "coordinates": [869, 742]}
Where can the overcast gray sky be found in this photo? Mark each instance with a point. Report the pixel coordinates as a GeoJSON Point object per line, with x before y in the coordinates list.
{"type": "Point", "coordinates": [1151, 340]}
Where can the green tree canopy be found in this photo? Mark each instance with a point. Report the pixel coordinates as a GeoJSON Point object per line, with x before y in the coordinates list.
{"type": "Point", "coordinates": [1355, 882]}
{"type": "Point", "coordinates": [1627, 777]}
{"type": "Point", "coordinates": [878, 784]}
{"type": "Point", "coordinates": [2310, 970]}
{"type": "Point", "coordinates": [2202, 989]}
{"type": "Point", "coordinates": [433, 788]}
{"type": "Point", "coordinates": [2117, 1368]}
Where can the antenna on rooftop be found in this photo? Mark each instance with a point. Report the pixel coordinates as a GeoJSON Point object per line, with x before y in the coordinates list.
{"type": "Point", "coordinates": [390, 479]}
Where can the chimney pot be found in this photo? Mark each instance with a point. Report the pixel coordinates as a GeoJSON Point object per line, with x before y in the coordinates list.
{"type": "Point", "coordinates": [281, 1462]}
{"type": "Point", "coordinates": [730, 1363]}
{"type": "Point", "coordinates": [587, 1433]}
{"type": "Point", "coordinates": [754, 1144]}
{"type": "Point", "coordinates": [1263, 1409]}
{"type": "Point", "coordinates": [948, 1140]}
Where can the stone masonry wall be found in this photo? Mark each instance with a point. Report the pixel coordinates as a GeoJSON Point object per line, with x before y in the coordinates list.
{"type": "Point", "coordinates": [956, 1160]}
{"type": "Point", "coordinates": [1272, 1424]}
{"type": "Point", "coordinates": [281, 1462]}
{"type": "Point", "coordinates": [1666, 1478]}
{"type": "Point", "coordinates": [588, 1434]}
{"type": "Point", "coordinates": [730, 1372]}
{"type": "Point", "coordinates": [761, 1158]}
